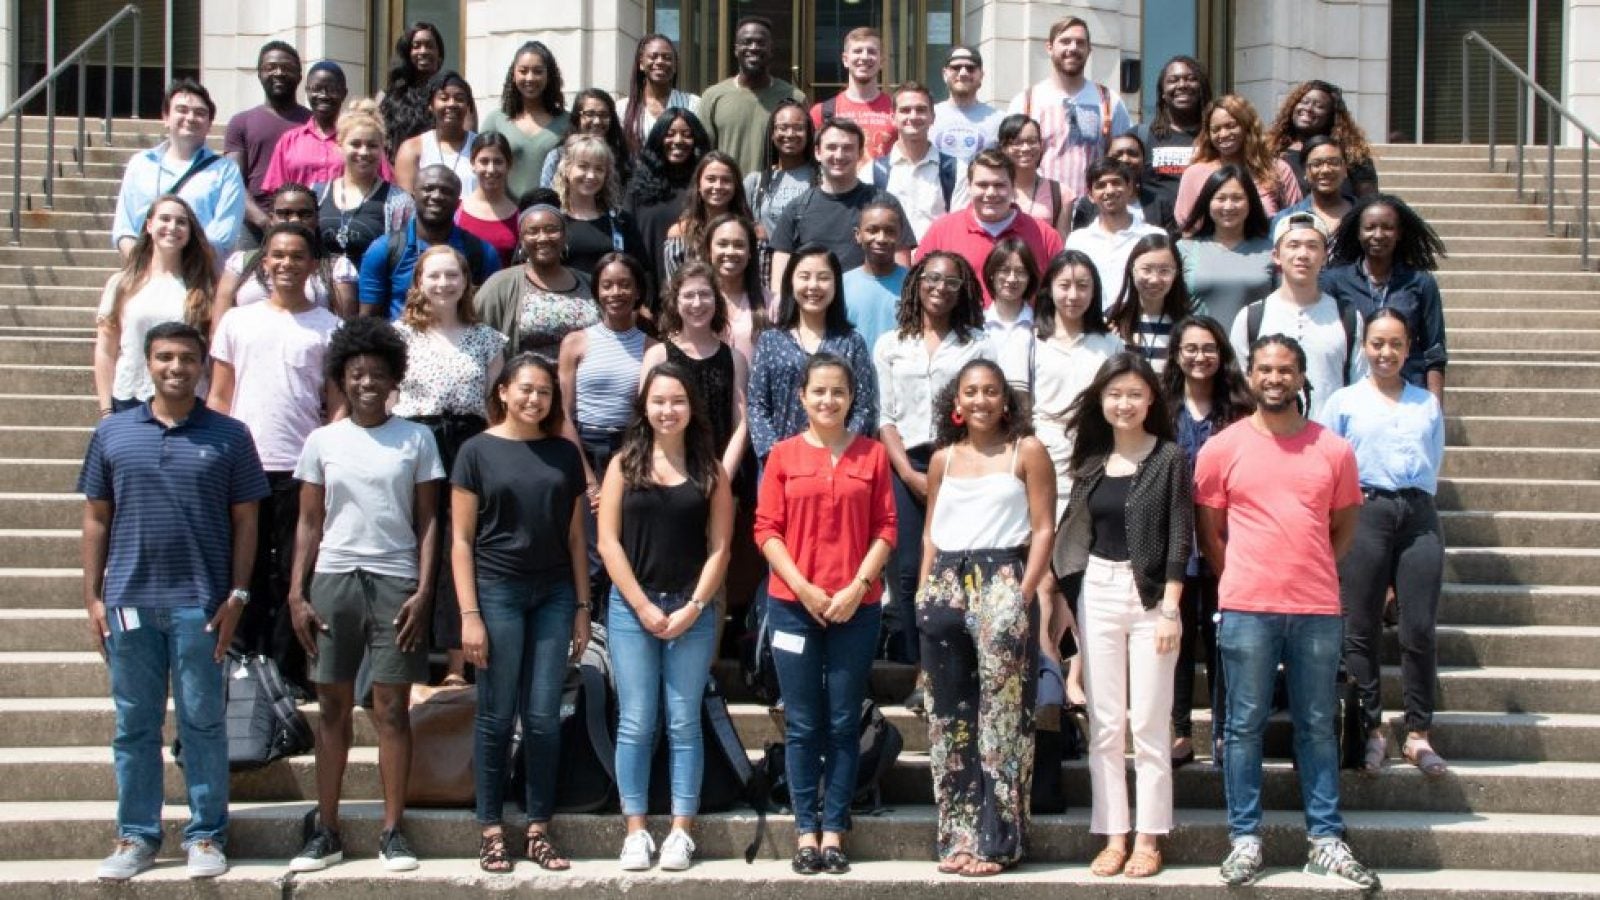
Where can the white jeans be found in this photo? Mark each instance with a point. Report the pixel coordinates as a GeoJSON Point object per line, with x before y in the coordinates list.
{"type": "Point", "coordinates": [1128, 684]}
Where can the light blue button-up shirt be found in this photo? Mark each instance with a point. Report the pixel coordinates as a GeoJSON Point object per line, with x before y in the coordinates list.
{"type": "Point", "coordinates": [1398, 445]}
{"type": "Point", "coordinates": [216, 194]}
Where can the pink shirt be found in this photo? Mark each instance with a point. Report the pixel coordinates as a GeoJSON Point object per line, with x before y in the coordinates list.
{"type": "Point", "coordinates": [1283, 195]}
{"type": "Point", "coordinates": [277, 359]}
{"type": "Point", "coordinates": [305, 155]}
{"type": "Point", "coordinates": [1279, 494]}
{"type": "Point", "coordinates": [961, 233]}
{"type": "Point", "coordinates": [501, 234]}
{"type": "Point", "coordinates": [875, 118]}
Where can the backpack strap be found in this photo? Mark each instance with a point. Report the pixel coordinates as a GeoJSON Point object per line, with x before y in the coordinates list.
{"type": "Point", "coordinates": [880, 173]}
{"type": "Point", "coordinates": [195, 168]}
{"type": "Point", "coordinates": [1352, 328]}
{"type": "Point", "coordinates": [829, 106]}
{"type": "Point", "coordinates": [595, 718]}
{"type": "Point", "coordinates": [947, 178]}
{"type": "Point", "coordinates": [1253, 314]}
{"type": "Point", "coordinates": [1105, 117]}
{"type": "Point", "coordinates": [1027, 102]}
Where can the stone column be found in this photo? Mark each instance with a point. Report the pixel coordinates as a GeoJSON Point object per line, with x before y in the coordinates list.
{"type": "Point", "coordinates": [1581, 72]}
{"type": "Point", "coordinates": [232, 34]}
{"type": "Point", "coordinates": [1011, 36]}
{"type": "Point", "coordinates": [592, 39]}
{"type": "Point", "coordinates": [1278, 45]}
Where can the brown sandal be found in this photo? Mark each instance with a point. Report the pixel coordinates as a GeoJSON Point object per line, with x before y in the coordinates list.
{"type": "Point", "coordinates": [1108, 862]}
{"type": "Point", "coordinates": [1143, 864]}
{"type": "Point", "coordinates": [492, 856]}
{"type": "Point", "coordinates": [544, 854]}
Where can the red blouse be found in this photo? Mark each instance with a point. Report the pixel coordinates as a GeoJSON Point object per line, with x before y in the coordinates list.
{"type": "Point", "coordinates": [826, 514]}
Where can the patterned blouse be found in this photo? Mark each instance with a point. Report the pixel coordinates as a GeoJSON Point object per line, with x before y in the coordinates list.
{"type": "Point", "coordinates": [774, 406]}
{"type": "Point", "coordinates": [545, 317]}
{"type": "Point", "coordinates": [444, 378]}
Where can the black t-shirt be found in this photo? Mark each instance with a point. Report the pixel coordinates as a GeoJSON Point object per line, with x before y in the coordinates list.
{"type": "Point", "coordinates": [526, 491]}
{"type": "Point", "coordinates": [654, 220]}
{"type": "Point", "coordinates": [1363, 172]}
{"type": "Point", "coordinates": [590, 239]}
{"type": "Point", "coordinates": [664, 535]}
{"type": "Point", "coordinates": [1166, 158]}
{"type": "Point", "coordinates": [351, 231]}
{"type": "Point", "coordinates": [1108, 514]}
{"type": "Point", "coordinates": [819, 217]}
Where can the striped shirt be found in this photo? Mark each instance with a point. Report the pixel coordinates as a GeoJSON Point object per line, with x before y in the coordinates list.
{"type": "Point", "coordinates": [1073, 128]}
{"type": "Point", "coordinates": [1152, 336]}
{"type": "Point", "coordinates": [608, 376]}
{"type": "Point", "coordinates": [172, 490]}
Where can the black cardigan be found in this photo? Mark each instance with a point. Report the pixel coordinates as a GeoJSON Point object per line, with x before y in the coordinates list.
{"type": "Point", "coordinates": [1160, 514]}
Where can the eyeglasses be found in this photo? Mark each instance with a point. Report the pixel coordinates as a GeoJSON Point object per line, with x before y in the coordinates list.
{"type": "Point", "coordinates": [948, 282]}
{"type": "Point", "coordinates": [1330, 163]}
{"type": "Point", "coordinates": [962, 67]}
{"type": "Point", "coordinates": [1199, 349]}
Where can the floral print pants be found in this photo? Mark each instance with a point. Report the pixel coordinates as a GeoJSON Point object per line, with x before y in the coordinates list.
{"type": "Point", "coordinates": [980, 652]}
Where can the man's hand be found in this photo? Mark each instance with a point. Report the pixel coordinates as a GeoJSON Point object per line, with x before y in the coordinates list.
{"type": "Point", "coordinates": [98, 626]}
{"type": "Point", "coordinates": [222, 625]}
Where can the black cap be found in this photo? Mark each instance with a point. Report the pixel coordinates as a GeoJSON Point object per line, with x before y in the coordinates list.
{"type": "Point", "coordinates": [963, 52]}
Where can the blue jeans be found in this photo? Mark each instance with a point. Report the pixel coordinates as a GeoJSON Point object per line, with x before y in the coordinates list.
{"type": "Point", "coordinates": [148, 648]}
{"type": "Point", "coordinates": [529, 628]}
{"type": "Point", "coordinates": [1251, 647]}
{"type": "Point", "coordinates": [824, 681]}
{"type": "Point", "coordinates": [643, 665]}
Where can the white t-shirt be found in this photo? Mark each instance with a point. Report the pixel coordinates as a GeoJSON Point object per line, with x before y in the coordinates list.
{"type": "Point", "coordinates": [370, 477]}
{"type": "Point", "coordinates": [277, 372]}
{"type": "Point", "coordinates": [160, 300]}
{"type": "Point", "coordinates": [964, 133]}
{"type": "Point", "coordinates": [1109, 250]}
{"type": "Point", "coordinates": [1331, 361]}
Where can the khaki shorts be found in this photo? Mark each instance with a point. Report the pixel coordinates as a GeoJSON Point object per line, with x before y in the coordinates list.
{"type": "Point", "coordinates": [359, 609]}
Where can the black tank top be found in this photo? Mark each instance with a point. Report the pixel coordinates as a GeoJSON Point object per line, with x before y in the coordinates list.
{"type": "Point", "coordinates": [713, 379]}
{"type": "Point", "coordinates": [1108, 513]}
{"type": "Point", "coordinates": [664, 535]}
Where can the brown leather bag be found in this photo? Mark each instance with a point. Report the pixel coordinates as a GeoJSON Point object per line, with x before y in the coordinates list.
{"type": "Point", "coordinates": [442, 720]}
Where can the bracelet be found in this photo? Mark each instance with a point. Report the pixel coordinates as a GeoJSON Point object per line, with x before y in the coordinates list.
{"type": "Point", "coordinates": [1171, 616]}
{"type": "Point", "coordinates": [471, 612]}
{"type": "Point", "coordinates": [865, 581]}
{"type": "Point", "coordinates": [584, 610]}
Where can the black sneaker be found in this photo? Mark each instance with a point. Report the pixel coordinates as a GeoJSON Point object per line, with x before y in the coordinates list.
{"type": "Point", "coordinates": [322, 847]}
{"type": "Point", "coordinates": [396, 852]}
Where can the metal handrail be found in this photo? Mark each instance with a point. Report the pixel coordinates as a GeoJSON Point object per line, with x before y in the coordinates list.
{"type": "Point", "coordinates": [1553, 108]}
{"type": "Point", "coordinates": [47, 86]}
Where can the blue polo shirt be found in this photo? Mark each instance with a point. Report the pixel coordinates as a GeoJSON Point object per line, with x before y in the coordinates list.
{"type": "Point", "coordinates": [172, 491]}
{"type": "Point", "coordinates": [381, 287]}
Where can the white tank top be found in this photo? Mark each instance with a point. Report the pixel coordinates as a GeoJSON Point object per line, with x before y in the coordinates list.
{"type": "Point", "coordinates": [982, 512]}
{"type": "Point", "coordinates": [460, 163]}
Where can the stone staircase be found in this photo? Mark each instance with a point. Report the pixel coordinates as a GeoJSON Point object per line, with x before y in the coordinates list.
{"type": "Point", "coordinates": [1518, 817]}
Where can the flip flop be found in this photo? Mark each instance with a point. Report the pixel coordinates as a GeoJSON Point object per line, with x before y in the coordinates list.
{"type": "Point", "coordinates": [1421, 755]}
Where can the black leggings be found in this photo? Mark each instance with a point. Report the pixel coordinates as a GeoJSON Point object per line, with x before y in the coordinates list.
{"type": "Point", "coordinates": [1198, 608]}
{"type": "Point", "coordinates": [1398, 542]}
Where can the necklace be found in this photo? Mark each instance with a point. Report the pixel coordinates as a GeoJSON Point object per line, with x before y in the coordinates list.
{"type": "Point", "coordinates": [347, 213]}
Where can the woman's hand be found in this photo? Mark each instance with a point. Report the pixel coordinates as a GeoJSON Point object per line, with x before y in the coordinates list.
{"type": "Point", "coordinates": [652, 619]}
{"type": "Point", "coordinates": [1167, 633]}
{"type": "Point", "coordinates": [843, 605]}
{"type": "Point", "coordinates": [580, 633]}
{"type": "Point", "coordinates": [680, 621]}
{"type": "Point", "coordinates": [816, 601]}
{"type": "Point", "coordinates": [475, 640]}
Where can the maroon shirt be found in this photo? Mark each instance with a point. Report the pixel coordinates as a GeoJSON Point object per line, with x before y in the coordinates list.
{"type": "Point", "coordinates": [254, 134]}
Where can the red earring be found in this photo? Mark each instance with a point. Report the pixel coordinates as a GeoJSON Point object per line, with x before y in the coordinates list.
{"type": "Point", "coordinates": [956, 418]}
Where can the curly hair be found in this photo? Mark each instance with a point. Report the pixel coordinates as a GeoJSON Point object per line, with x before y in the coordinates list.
{"type": "Point", "coordinates": [671, 321]}
{"type": "Point", "coordinates": [1303, 399]}
{"type": "Point", "coordinates": [755, 288]}
{"type": "Point", "coordinates": [197, 269]}
{"type": "Point", "coordinates": [1161, 126]}
{"type": "Point", "coordinates": [361, 115]}
{"type": "Point", "coordinates": [1086, 417]}
{"type": "Point", "coordinates": [1230, 395]}
{"type": "Point", "coordinates": [966, 319]}
{"type": "Point", "coordinates": [947, 431]}
{"type": "Point", "coordinates": [696, 212]}
{"type": "Point", "coordinates": [1342, 125]}
{"type": "Point", "coordinates": [416, 313]}
{"type": "Point", "coordinates": [770, 157]}
{"type": "Point", "coordinates": [655, 179]}
{"type": "Point", "coordinates": [551, 98]}
{"type": "Point", "coordinates": [1257, 155]}
{"type": "Point", "coordinates": [364, 336]}
{"type": "Point", "coordinates": [636, 455]}
{"type": "Point", "coordinates": [588, 148]}
{"type": "Point", "coordinates": [1417, 246]}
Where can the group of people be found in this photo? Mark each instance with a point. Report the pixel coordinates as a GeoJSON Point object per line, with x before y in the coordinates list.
{"type": "Point", "coordinates": [934, 382]}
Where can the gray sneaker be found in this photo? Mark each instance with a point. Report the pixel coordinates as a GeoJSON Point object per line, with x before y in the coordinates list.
{"type": "Point", "coordinates": [206, 859]}
{"type": "Point", "coordinates": [128, 858]}
{"type": "Point", "coordinates": [1333, 859]}
{"type": "Point", "coordinates": [1243, 865]}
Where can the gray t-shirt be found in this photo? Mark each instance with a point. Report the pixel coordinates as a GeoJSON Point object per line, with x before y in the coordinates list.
{"type": "Point", "coordinates": [370, 477]}
{"type": "Point", "coordinates": [964, 133]}
{"type": "Point", "coordinates": [1222, 281]}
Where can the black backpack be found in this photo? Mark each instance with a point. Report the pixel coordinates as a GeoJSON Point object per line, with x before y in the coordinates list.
{"type": "Point", "coordinates": [727, 774]}
{"type": "Point", "coordinates": [756, 667]}
{"type": "Point", "coordinates": [263, 724]}
{"type": "Point", "coordinates": [881, 743]}
{"type": "Point", "coordinates": [587, 779]}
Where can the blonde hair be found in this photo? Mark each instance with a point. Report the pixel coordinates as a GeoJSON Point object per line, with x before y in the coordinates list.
{"type": "Point", "coordinates": [588, 147]}
{"type": "Point", "coordinates": [416, 314]}
{"type": "Point", "coordinates": [361, 115]}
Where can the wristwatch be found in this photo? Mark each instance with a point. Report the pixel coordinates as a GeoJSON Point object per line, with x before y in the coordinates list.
{"type": "Point", "coordinates": [1169, 615]}
{"type": "Point", "coordinates": [700, 604]}
{"type": "Point", "coordinates": [241, 595]}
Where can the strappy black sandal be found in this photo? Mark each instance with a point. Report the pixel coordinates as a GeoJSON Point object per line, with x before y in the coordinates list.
{"type": "Point", "coordinates": [492, 856]}
{"type": "Point", "coordinates": [544, 854]}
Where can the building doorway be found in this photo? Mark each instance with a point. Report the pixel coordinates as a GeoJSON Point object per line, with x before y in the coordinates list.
{"type": "Point", "coordinates": [808, 38]}
{"type": "Point", "coordinates": [390, 18]}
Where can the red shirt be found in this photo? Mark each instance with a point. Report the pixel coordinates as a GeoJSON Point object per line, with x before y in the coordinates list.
{"type": "Point", "coordinates": [826, 514]}
{"type": "Point", "coordinates": [875, 118]}
{"type": "Point", "coordinates": [1279, 494]}
{"type": "Point", "coordinates": [961, 233]}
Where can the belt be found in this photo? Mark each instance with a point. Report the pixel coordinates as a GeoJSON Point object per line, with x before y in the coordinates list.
{"type": "Point", "coordinates": [1409, 493]}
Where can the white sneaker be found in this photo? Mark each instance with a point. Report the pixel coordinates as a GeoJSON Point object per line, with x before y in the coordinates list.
{"type": "Point", "coordinates": [206, 860]}
{"type": "Point", "coordinates": [636, 851]}
{"type": "Point", "coordinates": [128, 858]}
{"type": "Point", "coordinates": [677, 851]}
